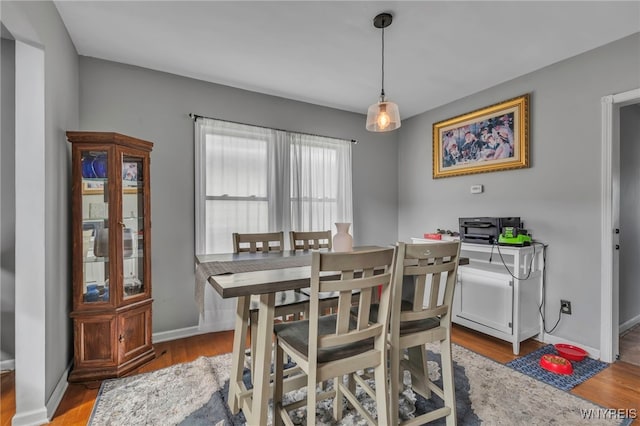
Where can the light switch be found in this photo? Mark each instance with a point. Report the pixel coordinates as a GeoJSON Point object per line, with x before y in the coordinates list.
{"type": "Point", "coordinates": [476, 189]}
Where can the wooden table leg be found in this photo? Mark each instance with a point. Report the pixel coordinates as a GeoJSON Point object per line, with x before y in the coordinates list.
{"type": "Point", "coordinates": [239, 343]}
{"type": "Point", "coordinates": [261, 378]}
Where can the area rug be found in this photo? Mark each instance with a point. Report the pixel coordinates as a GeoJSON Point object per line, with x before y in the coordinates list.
{"type": "Point", "coordinates": [195, 394]}
{"type": "Point", "coordinates": [582, 370]}
{"type": "Point", "coordinates": [410, 404]}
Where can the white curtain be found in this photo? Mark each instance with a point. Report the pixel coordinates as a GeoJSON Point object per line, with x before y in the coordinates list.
{"type": "Point", "coordinates": [255, 179]}
{"type": "Point", "coordinates": [320, 182]}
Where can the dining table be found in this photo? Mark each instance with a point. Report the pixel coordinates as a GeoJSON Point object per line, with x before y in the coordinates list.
{"type": "Point", "coordinates": [245, 275]}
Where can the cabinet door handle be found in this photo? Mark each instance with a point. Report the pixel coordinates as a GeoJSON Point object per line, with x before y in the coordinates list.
{"type": "Point", "coordinates": [121, 338]}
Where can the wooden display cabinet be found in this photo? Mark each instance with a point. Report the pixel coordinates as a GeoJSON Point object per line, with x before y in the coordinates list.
{"type": "Point", "coordinates": [111, 255]}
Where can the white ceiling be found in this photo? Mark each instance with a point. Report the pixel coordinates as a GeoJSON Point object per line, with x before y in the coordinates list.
{"type": "Point", "coordinates": [328, 53]}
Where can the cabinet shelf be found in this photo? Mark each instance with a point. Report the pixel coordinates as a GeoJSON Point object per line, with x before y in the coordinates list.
{"type": "Point", "coordinates": [94, 259]}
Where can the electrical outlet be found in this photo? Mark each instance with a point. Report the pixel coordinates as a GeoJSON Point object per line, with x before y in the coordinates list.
{"type": "Point", "coordinates": [565, 307]}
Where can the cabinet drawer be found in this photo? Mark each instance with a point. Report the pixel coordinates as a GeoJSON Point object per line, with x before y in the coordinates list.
{"type": "Point", "coordinates": [485, 299]}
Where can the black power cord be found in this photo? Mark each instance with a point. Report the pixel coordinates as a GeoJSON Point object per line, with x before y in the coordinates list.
{"type": "Point", "coordinates": [505, 263]}
{"type": "Point", "coordinates": [544, 281]}
{"type": "Point", "coordinates": [544, 295]}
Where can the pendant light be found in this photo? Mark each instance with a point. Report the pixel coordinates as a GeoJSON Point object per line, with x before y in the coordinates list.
{"type": "Point", "coordinates": [383, 116]}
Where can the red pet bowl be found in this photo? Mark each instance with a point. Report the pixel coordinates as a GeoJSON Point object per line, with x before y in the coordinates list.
{"type": "Point", "coordinates": [556, 364]}
{"type": "Point", "coordinates": [571, 352]}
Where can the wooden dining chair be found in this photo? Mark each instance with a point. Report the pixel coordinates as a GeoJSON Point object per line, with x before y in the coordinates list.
{"type": "Point", "coordinates": [418, 321]}
{"type": "Point", "coordinates": [333, 346]}
{"type": "Point", "coordinates": [287, 303]}
{"type": "Point", "coordinates": [310, 240]}
{"type": "Point", "coordinates": [258, 242]}
{"type": "Point", "coordinates": [315, 240]}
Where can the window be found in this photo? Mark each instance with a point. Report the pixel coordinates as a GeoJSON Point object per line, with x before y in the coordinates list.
{"type": "Point", "coordinates": [254, 179]}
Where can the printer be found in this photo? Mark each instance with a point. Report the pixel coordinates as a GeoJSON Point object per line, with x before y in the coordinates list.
{"type": "Point", "coordinates": [485, 230]}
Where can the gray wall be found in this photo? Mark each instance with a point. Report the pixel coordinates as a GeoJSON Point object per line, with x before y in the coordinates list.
{"type": "Point", "coordinates": [62, 114]}
{"type": "Point", "coordinates": [39, 24]}
{"type": "Point", "coordinates": [154, 106]}
{"type": "Point", "coordinates": [8, 203]}
{"type": "Point", "coordinates": [558, 197]}
{"type": "Point", "coordinates": [629, 213]}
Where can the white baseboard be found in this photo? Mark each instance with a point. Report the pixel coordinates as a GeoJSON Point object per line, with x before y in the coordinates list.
{"type": "Point", "coordinates": [43, 415]}
{"type": "Point", "coordinates": [593, 352]}
{"type": "Point", "coordinates": [180, 333]}
{"type": "Point", "coordinates": [628, 324]}
{"type": "Point", "coordinates": [8, 364]}
{"type": "Point", "coordinates": [213, 328]}
{"type": "Point", "coordinates": [58, 392]}
{"type": "Point", "coordinates": [31, 418]}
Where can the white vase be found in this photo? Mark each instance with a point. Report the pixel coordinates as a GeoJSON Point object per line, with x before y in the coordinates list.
{"type": "Point", "coordinates": [342, 241]}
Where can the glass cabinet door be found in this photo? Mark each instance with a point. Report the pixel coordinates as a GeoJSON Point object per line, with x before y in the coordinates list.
{"type": "Point", "coordinates": [133, 229]}
{"type": "Point", "coordinates": [95, 226]}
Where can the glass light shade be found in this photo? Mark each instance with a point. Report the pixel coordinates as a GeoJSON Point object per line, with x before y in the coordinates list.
{"type": "Point", "coordinates": [383, 116]}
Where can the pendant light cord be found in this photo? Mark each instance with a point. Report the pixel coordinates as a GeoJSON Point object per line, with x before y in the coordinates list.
{"type": "Point", "coordinates": [382, 92]}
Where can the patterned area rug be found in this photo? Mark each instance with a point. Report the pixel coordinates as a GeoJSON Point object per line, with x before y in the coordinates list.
{"type": "Point", "coordinates": [195, 394]}
{"type": "Point", "coordinates": [410, 404]}
{"type": "Point", "coordinates": [582, 370]}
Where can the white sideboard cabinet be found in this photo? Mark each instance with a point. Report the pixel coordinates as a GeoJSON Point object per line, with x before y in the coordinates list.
{"type": "Point", "coordinates": [499, 292]}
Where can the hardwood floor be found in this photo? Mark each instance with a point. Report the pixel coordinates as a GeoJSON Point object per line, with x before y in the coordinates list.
{"type": "Point", "coordinates": [630, 345]}
{"type": "Point", "coordinates": [78, 400]}
{"type": "Point", "coordinates": [618, 386]}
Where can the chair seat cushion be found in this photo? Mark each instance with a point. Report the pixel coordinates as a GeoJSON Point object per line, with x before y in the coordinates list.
{"type": "Point", "coordinates": [296, 334]}
{"type": "Point", "coordinates": [284, 298]}
{"type": "Point", "coordinates": [406, 327]}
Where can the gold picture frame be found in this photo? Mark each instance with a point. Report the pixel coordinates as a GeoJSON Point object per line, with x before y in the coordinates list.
{"type": "Point", "coordinates": [489, 139]}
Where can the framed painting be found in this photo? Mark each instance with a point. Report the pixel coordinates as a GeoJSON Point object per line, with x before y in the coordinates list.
{"type": "Point", "coordinates": [489, 139]}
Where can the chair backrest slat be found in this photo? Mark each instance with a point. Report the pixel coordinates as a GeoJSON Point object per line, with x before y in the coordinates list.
{"type": "Point", "coordinates": [423, 313]}
{"type": "Point", "coordinates": [348, 337]}
{"type": "Point", "coordinates": [431, 266]}
{"type": "Point", "coordinates": [344, 305]}
{"type": "Point", "coordinates": [370, 258]}
{"type": "Point", "coordinates": [259, 242]}
{"type": "Point", "coordinates": [310, 240]}
{"type": "Point", "coordinates": [360, 282]}
{"type": "Point", "coordinates": [362, 271]}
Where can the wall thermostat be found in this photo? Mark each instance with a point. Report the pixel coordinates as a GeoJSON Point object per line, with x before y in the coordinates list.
{"type": "Point", "coordinates": [476, 189]}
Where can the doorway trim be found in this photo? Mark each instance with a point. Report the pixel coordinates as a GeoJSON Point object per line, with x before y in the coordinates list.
{"type": "Point", "coordinates": [30, 278]}
{"type": "Point", "coordinates": [610, 219]}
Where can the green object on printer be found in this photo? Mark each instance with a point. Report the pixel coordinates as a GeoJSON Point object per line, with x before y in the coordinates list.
{"type": "Point", "coordinates": [512, 236]}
